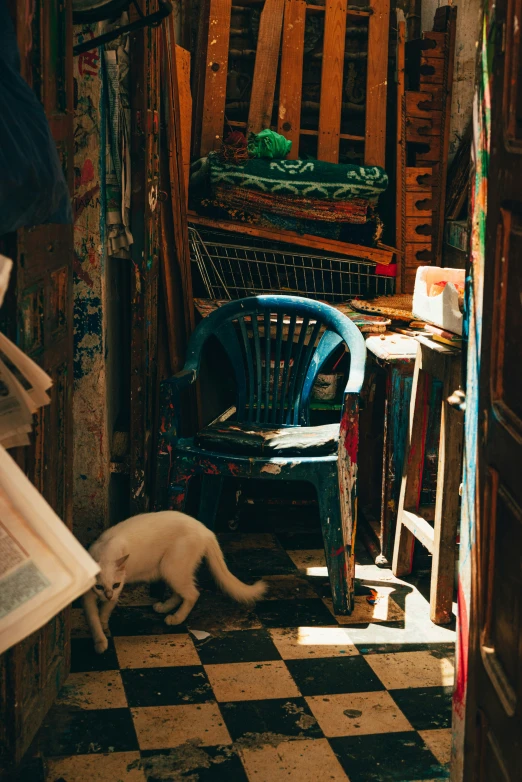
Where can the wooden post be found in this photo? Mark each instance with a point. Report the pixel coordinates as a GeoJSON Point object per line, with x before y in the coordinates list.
{"type": "Point", "coordinates": [401, 156]}
{"type": "Point", "coordinates": [266, 66]}
{"type": "Point", "coordinates": [332, 81]}
{"type": "Point", "coordinates": [185, 110]}
{"type": "Point", "coordinates": [376, 83]}
{"type": "Point", "coordinates": [291, 79]}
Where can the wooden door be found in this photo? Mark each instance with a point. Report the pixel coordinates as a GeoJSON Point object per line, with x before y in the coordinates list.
{"type": "Point", "coordinates": [494, 712]}
{"type": "Point", "coordinates": [39, 316]}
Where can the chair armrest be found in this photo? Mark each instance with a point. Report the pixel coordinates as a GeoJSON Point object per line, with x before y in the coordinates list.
{"type": "Point", "coordinates": [169, 406]}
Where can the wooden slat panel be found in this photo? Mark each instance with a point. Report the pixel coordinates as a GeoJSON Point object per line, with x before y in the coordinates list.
{"type": "Point", "coordinates": [418, 104]}
{"type": "Point", "coordinates": [376, 83]}
{"type": "Point", "coordinates": [215, 76]}
{"type": "Point", "coordinates": [291, 80]}
{"type": "Point", "coordinates": [332, 81]}
{"type": "Point", "coordinates": [431, 70]}
{"type": "Point", "coordinates": [265, 69]}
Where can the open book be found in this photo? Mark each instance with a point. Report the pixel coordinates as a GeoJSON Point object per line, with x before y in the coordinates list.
{"type": "Point", "coordinates": [43, 568]}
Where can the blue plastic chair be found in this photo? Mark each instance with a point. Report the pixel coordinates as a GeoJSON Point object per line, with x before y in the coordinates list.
{"type": "Point", "coordinates": [269, 437]}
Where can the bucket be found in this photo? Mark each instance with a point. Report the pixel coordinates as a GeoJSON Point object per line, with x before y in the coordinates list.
{"type": "Point", "coordinates": [325, 387]}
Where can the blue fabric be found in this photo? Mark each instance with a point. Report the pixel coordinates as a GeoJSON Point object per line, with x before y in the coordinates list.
{"type": "Point", "coordinates": [33, 189]}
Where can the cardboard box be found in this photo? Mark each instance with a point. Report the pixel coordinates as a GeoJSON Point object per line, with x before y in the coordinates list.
{"type": "Point", "coordinates": [443, 309]}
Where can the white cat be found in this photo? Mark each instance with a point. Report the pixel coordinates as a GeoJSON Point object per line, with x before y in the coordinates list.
{"type": "Point", "coordinates": [167, 545]}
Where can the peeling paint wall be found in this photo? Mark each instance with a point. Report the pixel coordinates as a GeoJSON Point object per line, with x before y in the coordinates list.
{"type": "Point", "coordinates": [90, 436]}
{"type": "Point", "coordinates": [468, 27]}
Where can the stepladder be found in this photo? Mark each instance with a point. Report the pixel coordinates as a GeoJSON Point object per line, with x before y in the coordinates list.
{"type": "Point", "coordinates": [435, 527]}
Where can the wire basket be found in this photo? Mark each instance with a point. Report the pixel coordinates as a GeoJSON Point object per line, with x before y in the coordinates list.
{"type": "Point", "coordinates": [233, 267]}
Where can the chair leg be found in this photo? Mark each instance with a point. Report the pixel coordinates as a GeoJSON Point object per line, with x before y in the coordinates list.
{"type": "Point", "coordinates": [334, 544]}
{"type": "Point", "coordinates": [177, 490]}
{"type": "Point", "coordinates": [211, 487]}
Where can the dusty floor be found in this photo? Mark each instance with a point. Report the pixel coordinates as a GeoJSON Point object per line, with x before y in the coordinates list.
{"type": "Point", "coordinates": [282, 692]}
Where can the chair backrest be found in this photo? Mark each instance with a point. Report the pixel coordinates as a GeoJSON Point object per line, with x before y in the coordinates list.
{"type": "Point", "coordinates": [277, 346]}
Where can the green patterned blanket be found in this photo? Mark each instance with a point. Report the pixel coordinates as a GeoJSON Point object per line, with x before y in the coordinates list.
{"type": "Point", "coordinates": [305, 178]}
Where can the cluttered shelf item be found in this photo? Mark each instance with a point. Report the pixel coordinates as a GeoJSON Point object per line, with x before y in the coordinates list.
{"type": "Point", "coordinates": [424, 92]}
{"type": "Point", "coordinates": [317, 75]}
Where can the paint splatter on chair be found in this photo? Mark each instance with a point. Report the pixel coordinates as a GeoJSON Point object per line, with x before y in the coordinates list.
{"type": "Point", "coordinates": [276, 346]}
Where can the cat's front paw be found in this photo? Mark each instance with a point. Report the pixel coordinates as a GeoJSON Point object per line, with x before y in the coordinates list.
{"type": "Point", "coordinates": [105, 627]}
{"type": "Point", "coordinates": [160, 608]}
{"type": "Point", "coordinates": [101, 645]}
{"type": "Point", "coordinates": [172, 619]}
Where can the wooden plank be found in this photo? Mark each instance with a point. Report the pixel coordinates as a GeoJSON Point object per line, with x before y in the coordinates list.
{"type": "Point", "coordinates": [357, 251]}
{"type": "Point", "coordinates": [419, 204]}
{"type": "Point", "coordinates": [433, 44]}
{"type": "Point", "coordinates": [266, 66]}
{"type": "Point", "coordinates": [185, 110]}
{"type": "Point", "coordinates": [332, 81]}
{"type": "Point", "coordinates": [291, 79]}
{"type": "Point", "coordinates": [418, 130]}
{"type": "Point", "coordinates": [376, 83]}
{"type": "Point", "coordinates": [216, 69]}
{"type": "Point", "coordinates": [447, 502]}
{"type": "Point", "coordinates": [418, 255]}
{"type": "Point", "coordinates": [421, 528]}
{"type": "Point", "coordinates": [401, 153]}
{"type": "Point", "coordinates": [418, 178]}
{"type": "Point", "coordinates": [418, 229]}
{"type": "Point", "coordinates": [413, 468]}
{"type": "Point", "coordinates": [446, 121]}
{"type": "Point", "coordinates": [418, 104]}
{"type": "Point", "coordinates": [431, 70]}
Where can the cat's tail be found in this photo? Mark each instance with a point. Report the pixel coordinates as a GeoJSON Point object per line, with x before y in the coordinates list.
{"type": "Point", "coordinates": [243, 593]}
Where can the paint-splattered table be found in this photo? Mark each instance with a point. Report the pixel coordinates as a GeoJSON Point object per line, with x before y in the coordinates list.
{"type": "Point", "coordinates": [383, 429]}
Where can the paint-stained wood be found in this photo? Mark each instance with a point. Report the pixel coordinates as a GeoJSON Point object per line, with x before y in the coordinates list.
{"type": "Point", "coordinates": [185, 109]}
{"type": "Point", "coordinates": [266, 66]}
{"type": "Point", "coordinates": [332, 81]}
{"type": "Point", "coordinates": [418, 254]}
{"type": "Point", "coordinates": [291, 78]}
{"type": "Point", "coordinates": [215, 79]}
{"type": "Point", "coordinates": [376, 83]}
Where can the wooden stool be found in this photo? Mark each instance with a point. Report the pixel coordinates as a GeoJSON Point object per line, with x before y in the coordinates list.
{"type": "Point", "coordinates": [433, 361]}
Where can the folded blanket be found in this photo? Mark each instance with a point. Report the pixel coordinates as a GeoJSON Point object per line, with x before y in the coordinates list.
{"type": "Point", "coordinates": [357, 210]}
{"type": "Point", "coordinates": [305, 178]}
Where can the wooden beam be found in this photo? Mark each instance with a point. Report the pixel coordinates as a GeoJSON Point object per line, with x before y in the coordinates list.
{"type": "Point", "coordinates": [291, 79]}
{"type": "Point", "coordinates": [216, 69]}
{"type": "Point", "coordinates": [332, 81]}
{"type": "Point", "coordinates": [439, 209]}
{"type": "Point", "coordinates": [266, 66]}
{"type": "Point", "coordinates": [376, 83]}
{"type": "Point", "coordinates": [185, 110]}
{"type": "Point", "coordinates": [356, 251]}
{"type": "Point", "coordinates": [401, 154]}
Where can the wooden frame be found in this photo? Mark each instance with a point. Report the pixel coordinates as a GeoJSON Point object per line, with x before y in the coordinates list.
{"type": "Point", "coordinates": [293, 18]}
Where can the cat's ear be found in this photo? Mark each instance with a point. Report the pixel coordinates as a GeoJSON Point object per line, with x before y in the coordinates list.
{"type": "Point", "coordinates": [121, 562]}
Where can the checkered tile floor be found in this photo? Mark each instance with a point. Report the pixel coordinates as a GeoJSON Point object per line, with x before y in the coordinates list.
{"type": "Point", "coordinates": [284, 691]}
